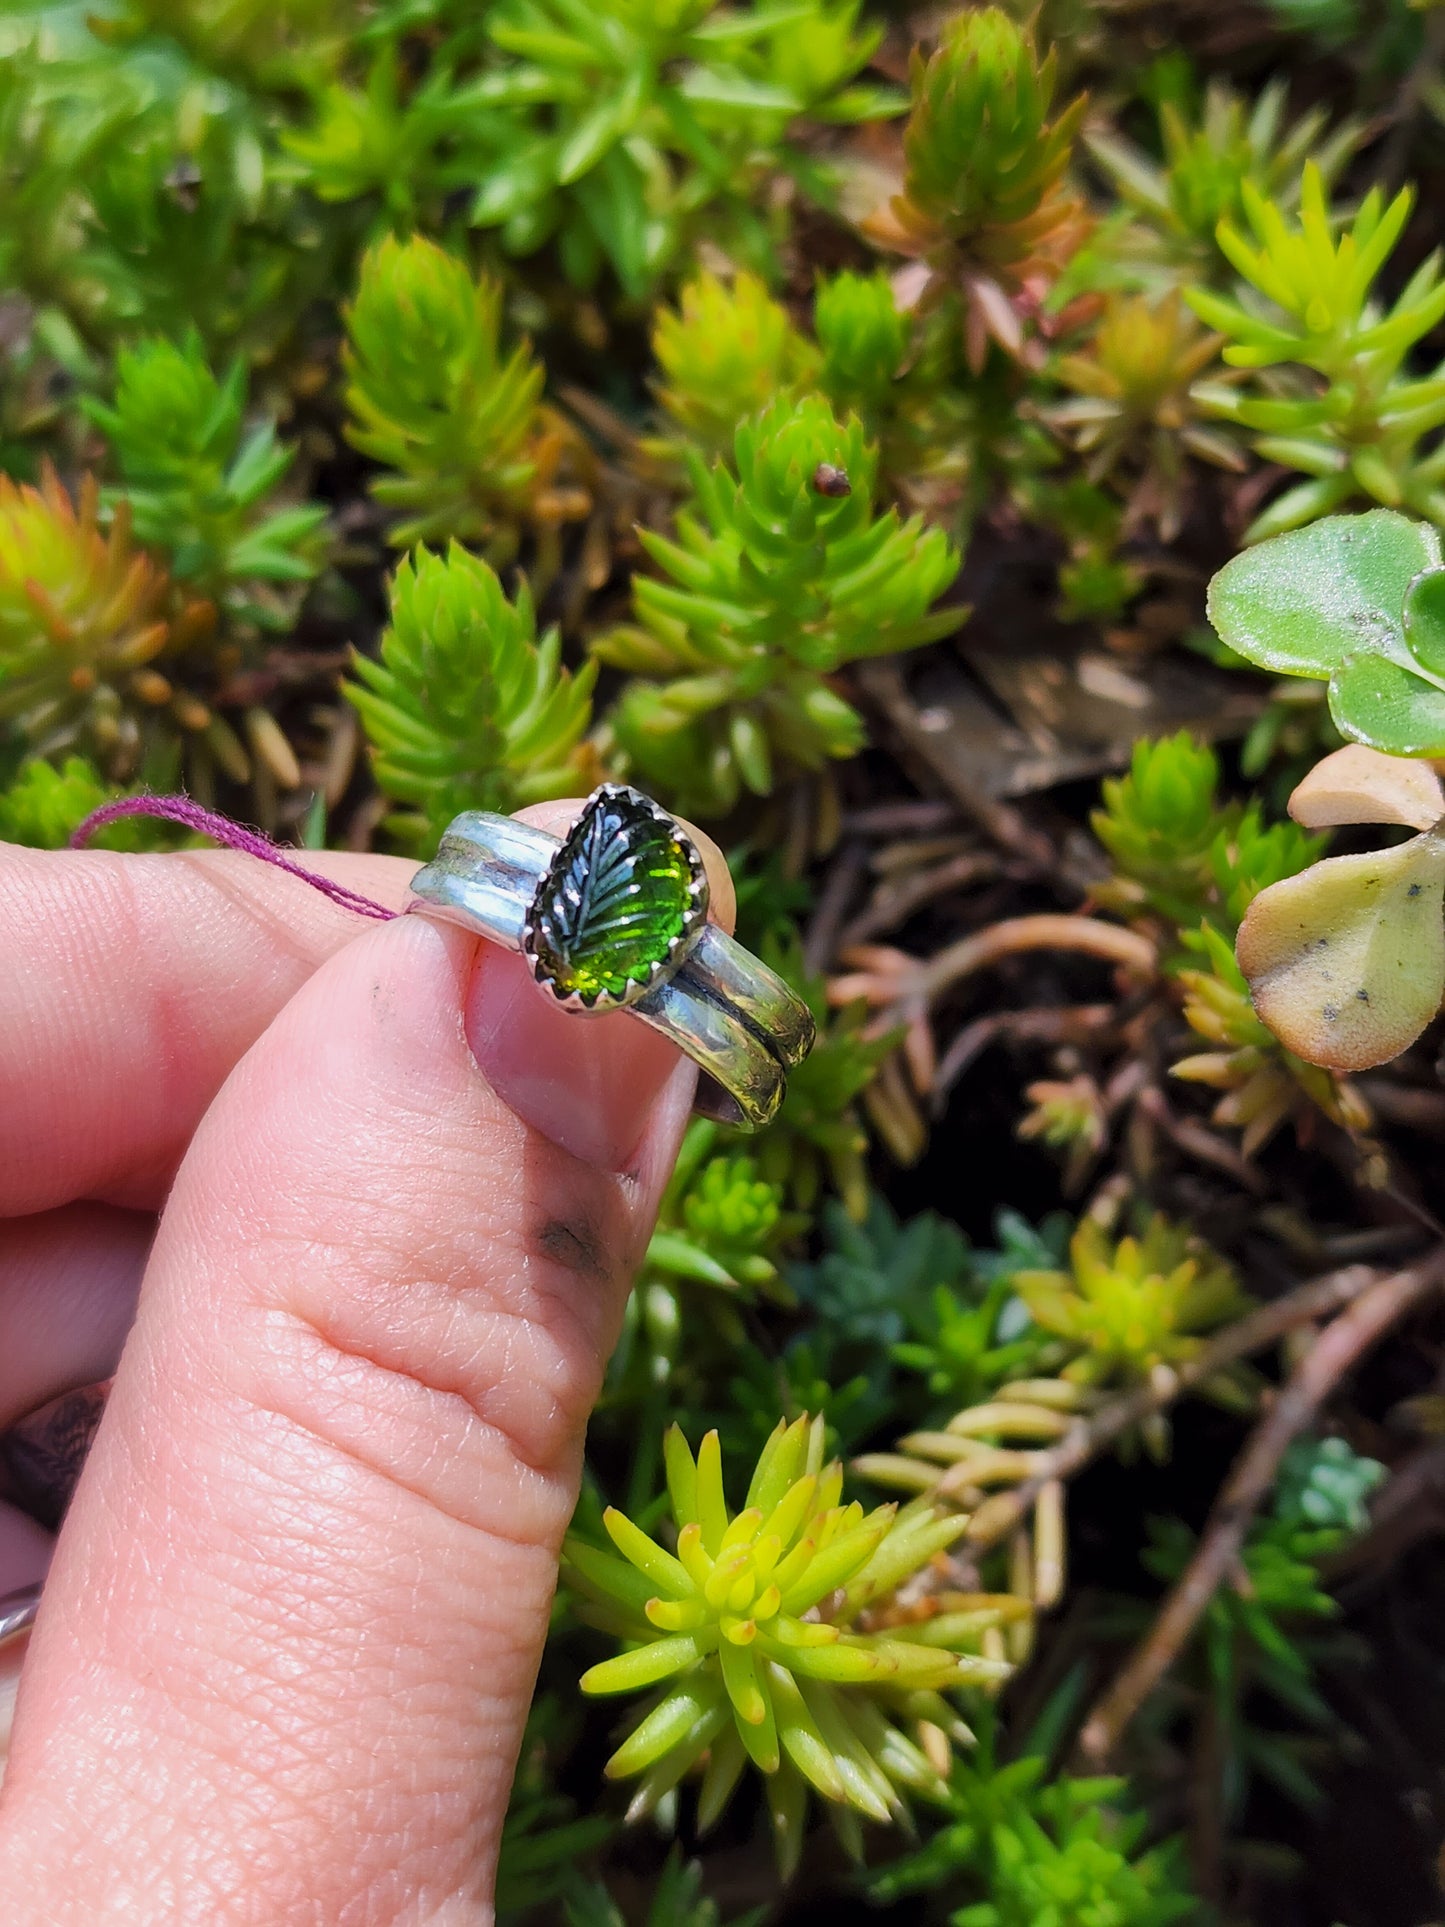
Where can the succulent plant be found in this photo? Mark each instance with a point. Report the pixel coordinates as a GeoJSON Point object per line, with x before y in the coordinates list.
{"type": "Point", "coordinates": [1353, 420]}
{"type": "Point", "coordinates": [197, 486]}
{"type": "Point", "coordinates": [724, 352]}
{"type": "Point", "coordinates": [466, 707]}
{"type": "Point", "coordinates": [86, 620]}
{"type": "Point", "coordinates": [1127, 1308]}
{"type": "Point", "coordinates": [450, 414]}
{"type": "Point", "coordinates": [1208, 154]}
{"type": "Point", "coordinates": [781, 573]}
{"type": "Point", "coordinates": [984, 201]}
{"type": "Point", "coordinates": [1135, 419]}
{"type": "Point", "coordinates": [755, 1631]}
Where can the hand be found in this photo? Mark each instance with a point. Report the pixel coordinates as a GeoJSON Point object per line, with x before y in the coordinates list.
{"type": "Point", "coordinates": [292, 1622]}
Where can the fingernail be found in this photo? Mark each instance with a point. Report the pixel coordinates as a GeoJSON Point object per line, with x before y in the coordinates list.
{"type": "Point", "coordinates": [591, 1084]}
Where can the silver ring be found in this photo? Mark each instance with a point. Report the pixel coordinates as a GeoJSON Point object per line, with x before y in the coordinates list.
{"type": "Point", "coordinates": [17, 1612]}
{"type": "Point", "coordinates": [614, 916]}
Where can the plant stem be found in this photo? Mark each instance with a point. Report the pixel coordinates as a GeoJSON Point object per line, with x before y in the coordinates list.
{"type": "Point", "coordinates": [1334, 1352]}
{"type": "Point", "coordinates": [1047, 931]}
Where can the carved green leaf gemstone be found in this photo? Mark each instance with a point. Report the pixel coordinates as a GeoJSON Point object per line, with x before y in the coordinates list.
{"type": "Point", "coordinates": [622, 898]}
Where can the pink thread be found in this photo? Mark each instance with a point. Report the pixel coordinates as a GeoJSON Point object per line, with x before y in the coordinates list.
{"type": "Point", "coordinates": [180, 809]}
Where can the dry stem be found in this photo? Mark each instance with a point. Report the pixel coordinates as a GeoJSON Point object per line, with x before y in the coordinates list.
{"type": "Point", "coordinates": [1338, 1347]}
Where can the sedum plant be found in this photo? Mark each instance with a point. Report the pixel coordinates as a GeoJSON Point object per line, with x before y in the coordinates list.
{"type": "Point", "coordinates": [466, 707]}
{"type": "Point", "coordinates": [629, 124]}
{"type": "Point", "coordinates": [754, 1632]}
{"type": "Point", "coordinates": [1257, 1641]}
{"type": "Point", "coordinates": [1125, 1309]}
{"type": "Point", "coordinates": [1134, 417]}
{"type": "Point", "coordinates": [721, 1227]}
{"type": "Point", "coordinates": [678, 1900]}
{"type": "Point", "coordinates": [724, 352]}
{"type": "Point", "coordinates": [43, 806]}
{"type": "Point", "coordinates": [89, 631]}
{"type": "Point", "coordinates": [1114, 1316]}
{"type": "Point", "coordinates": [1026, 1851]}
{"type": "Point", "coordinates": [781, 572]}
{"type": "Point", "coordinates": [1337, 404]}
{"type": "Point", "coordinates": [864, 341]}
{"type": "Point", "coordinates": [1208, 154]}
{"type": "Point", "coordinates": [452, 417]}
{"type": "Point", "coordinates": [1182, 857]}
{"type": "Point", "coordinates": [984, 203]}
{"type": "Point", "coordinates": [1346, 961]}
{"type": "Point", "coordinates": [198, 486]}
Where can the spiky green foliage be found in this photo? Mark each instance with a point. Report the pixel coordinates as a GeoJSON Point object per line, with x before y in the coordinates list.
{"type": "Point", "coordinates": [435, 398]}
{"type": "Point", "coordinates": [88, 628]}
{"type": "Point", "coordinates": [1133, 415]}
{"type": "Point", "coordinates": [752, 1624]}
{"type": "Point", "coordinates": [818, 1136]}
{"type": "Point", "coordinates": [983, 199]}
{"type": "Point", "coordinates": [44, 805]}
{"type": "Point", "coordinates": [863, 340]}
{"type": "Point", "coordinates": [466, 706]}
{"type": "Point", "coordinates": [721, 1227]}
{"type": "Point", "coordinates": [878, 1275]}
{"type": "Point", "coordinates": [627, 126]}
{"type": "Point", "coordinates": [724, 352]}
{"type": "Point", "coordinates": [407, 143]}
{"type": "Point", "coordinates": [200, 486]}
{"type": "Point", "coordinates": [1126, 1307]}
{"type": "Point", "coordinates": [1208, 153]}
{"type": "Point", "coordinates": [678, 1900]}
{"type": "Point", "coordinates": [1181, 853]}
{"type": "Point", "coordinates": [1259, 1645]}
{"type": "Point", "coordinates": [545, 1843]}
{"type": "Point", "coordinates": [1026, 1851]}
{"type": "Point", "coordinates": [1342, 407]}
{"type": "Point", "coordinates": [777, 577]}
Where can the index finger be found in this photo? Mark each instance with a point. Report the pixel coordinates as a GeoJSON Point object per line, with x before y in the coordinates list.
{"type": "Point", "coordinates": [129, 988]}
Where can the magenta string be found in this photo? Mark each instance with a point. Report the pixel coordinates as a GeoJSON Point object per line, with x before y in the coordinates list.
{"type": "Point", "coordinates": [234, 836]}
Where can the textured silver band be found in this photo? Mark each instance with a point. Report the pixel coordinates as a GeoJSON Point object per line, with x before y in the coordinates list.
{"type": "Point", "coordinates": [741, 1024]}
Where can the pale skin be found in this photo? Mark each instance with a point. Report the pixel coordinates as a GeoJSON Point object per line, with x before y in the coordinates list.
{"type": "Point", "coordinates": [374, 1209]}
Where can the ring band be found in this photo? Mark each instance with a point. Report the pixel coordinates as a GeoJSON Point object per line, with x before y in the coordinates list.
{"type": "Point", "coordinates": [615, 916]}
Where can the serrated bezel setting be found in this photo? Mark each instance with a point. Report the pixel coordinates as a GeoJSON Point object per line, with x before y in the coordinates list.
{"type": "Point", "coordinates": [638, 818]}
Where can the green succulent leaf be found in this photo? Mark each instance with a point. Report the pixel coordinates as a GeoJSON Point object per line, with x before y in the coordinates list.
{"type": "Point", "coordinates": [1424, 621]}
{"type": "Point", "coordinates": [1384, 704]}
{"type": "Point", "coordinates": [1302, 602]}
{"type": "Point", "coordinates": [1346, 962]}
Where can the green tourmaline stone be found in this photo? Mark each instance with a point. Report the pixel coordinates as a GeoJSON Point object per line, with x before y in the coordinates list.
{"type": "Point", "coordinates": [618, 894]}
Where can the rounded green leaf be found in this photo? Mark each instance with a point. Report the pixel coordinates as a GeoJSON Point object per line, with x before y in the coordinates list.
{"type": "Point", "coordinates": [1385, 705]}
{"type": "Point", "coordinates": [1346, 962]}
{"type": "Point", "coordinates": [1300, 603]}
{"type": "Point", "coordinates": [1424, 617]}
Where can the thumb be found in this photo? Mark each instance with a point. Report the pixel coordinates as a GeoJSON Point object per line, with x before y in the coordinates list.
{"type": "Point", "coordinates": [291, 1631]}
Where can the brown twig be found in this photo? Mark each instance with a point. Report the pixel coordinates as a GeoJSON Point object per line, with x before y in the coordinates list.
{"type": "Point", "coordinates": [1317, 1298]}
{"type": "Point", "coordinates": [844, 876]}
{"type": "Point", "coordinates": [1333, 1353]}
{"type": "Point", "coordinates": [1049, 931]}
{"type": "Point", "coordinates": [907, 816]}
{"type": "Point", "coordinates": [1066, 1024]}
{"type": "Point", "coordinates": [896, 900]}
{"type": "Point", "coordinates": [881, 681]}
{"type": "Point", "coordinates": [1197, 1141]}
